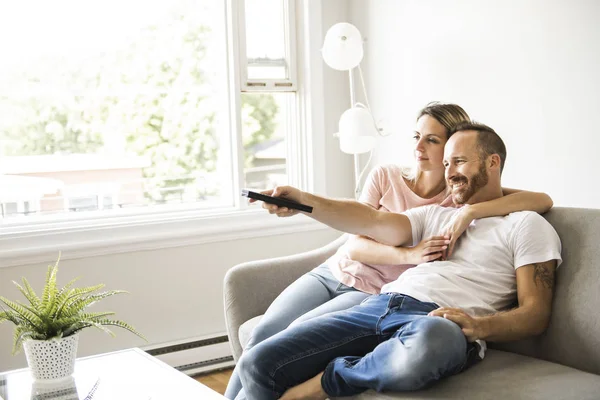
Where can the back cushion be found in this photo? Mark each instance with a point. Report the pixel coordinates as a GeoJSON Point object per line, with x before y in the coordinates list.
{"type": "Point", "coordinates": [573, 337]}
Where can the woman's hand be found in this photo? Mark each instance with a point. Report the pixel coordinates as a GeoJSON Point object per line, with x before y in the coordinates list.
{"type": "Point", "coordinates": [459, 225]}
{"type": "Point", "coordinates": [428, 250]}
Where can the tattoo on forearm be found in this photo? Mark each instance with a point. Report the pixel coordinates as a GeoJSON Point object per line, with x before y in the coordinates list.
{"type": "Point", "coordinates": [543, 275]}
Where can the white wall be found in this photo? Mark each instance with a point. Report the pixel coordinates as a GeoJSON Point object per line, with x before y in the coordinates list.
{"type": "Point", "coordinates": [176, 293]}
{"type": "Point", "coordinates": [528, 68]}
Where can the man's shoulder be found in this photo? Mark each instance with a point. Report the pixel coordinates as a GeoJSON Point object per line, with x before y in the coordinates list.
{"type": "Point", "coordinates": [527, 217]}
{"type": "Point", "coordinates": [525, 222]}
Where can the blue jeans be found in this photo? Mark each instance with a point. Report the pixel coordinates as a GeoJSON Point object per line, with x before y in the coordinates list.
{"type": "Point", "coordinates": [315, 293]}
{"type": "Point", "coordinates": [387, 343]}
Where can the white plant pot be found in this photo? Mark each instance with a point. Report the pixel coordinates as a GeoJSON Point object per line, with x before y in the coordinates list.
{"type": "Point", "coordinates": [51, 360]}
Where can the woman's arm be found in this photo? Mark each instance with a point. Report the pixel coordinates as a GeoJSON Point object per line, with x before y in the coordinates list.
{"type": "Point", "coordinates": [368, 251]}
{"type": "Point", "coordinates": [513, 200]}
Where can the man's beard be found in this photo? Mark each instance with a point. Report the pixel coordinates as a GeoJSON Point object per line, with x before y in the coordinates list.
{"type": "Point", "coordinates": [476, 182]}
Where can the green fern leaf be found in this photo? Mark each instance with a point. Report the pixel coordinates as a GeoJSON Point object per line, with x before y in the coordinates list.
{"type": "Point", "coordinates": [74, 298]}
{"type": "Point", "coordinates": [73, 329]}
{"type": "Point", "coordinates": [33, 297]}
{"type": "Point", "coordinates": [97, 316]}
{"type": "Point", "coordinates": [8, 315]}
{"type": "Point", "coordinates": [49, 287]}
{"type": "Point", "coordinates": [25, 314]}
{"type": "Point", "coordinates": [21, 333]}
{"type": "Point", "coordinates": [80, 304]}
{"type": "Point", "coordinates": [104, 329]}
{"type": "Point", "coordinates": [61, 296]}
{"type": "Point", "coordinates": [121, 324]}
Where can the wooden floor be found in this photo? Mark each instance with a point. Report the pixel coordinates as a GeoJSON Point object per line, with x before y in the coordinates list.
{"type": "Point", "coordinates": [217, 381]}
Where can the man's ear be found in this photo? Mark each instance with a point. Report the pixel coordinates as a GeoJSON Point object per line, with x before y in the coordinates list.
{"type": "Point", "coordinates": [494, 161]}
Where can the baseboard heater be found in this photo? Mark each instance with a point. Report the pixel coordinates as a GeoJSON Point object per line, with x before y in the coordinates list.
{"type": "Point", "coordinates": [195, 356]}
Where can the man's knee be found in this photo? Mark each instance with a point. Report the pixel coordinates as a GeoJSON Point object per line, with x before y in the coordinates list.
{"type": "Point", "coordinates": [440, 334]}
{"type": "Point", "coordinates": [438, 349]}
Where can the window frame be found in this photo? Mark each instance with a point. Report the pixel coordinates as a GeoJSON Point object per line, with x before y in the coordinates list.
{"type": "Point", "coordinates": [268, 85]}
{"type": "Point", "coordinates": [126, 230]}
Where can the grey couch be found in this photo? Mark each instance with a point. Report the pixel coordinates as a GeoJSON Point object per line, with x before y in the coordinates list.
{"type": "Point", "coordinates": [562, 363]}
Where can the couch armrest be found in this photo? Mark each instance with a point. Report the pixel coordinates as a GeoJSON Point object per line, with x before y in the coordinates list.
{"type": "Point", "coordinates": [250, 288]}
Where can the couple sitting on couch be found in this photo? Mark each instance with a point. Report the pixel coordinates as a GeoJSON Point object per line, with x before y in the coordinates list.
{"type": "Point", "coordinates": [432, 320]}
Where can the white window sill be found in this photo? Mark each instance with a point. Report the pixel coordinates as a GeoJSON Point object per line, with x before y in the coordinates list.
{"type": "Point", "coordinates": [41, 243]}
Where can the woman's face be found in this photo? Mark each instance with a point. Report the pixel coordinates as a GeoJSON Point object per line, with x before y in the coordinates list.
{"type": "Point", "coordinates": [430, 138]}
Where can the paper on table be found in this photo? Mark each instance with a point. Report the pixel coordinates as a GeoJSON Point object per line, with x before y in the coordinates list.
{"type": "Point", "coordinates": [105, 390]}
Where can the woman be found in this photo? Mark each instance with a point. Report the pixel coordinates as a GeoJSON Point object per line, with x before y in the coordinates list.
{"type": "Point", "coordinates": [362, 266]}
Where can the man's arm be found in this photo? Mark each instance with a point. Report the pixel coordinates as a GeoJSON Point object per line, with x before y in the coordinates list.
{"type": "Point", "coordinates": [347, 216]}
{"type": "Point", "coordinates": [535, 284]}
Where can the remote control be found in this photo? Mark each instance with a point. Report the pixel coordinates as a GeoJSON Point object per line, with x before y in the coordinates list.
{"type": "Point", "coordinates": [278, 201]}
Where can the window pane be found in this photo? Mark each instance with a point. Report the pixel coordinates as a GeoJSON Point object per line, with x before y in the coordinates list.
{"type": "Point", "coordinates": [265, 121]}
{"type": "Point", "coordinates": [84, 203]}
{"type": "Point", "coordinates": [265, 39]}
{"type": "Point", "coordinates": [134, 115]}
{"type": "Point", "coordinates": [10, 209]}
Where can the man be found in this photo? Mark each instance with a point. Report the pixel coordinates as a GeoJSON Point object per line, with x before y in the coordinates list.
{"type": "Point", "coordinates": [433, 320]}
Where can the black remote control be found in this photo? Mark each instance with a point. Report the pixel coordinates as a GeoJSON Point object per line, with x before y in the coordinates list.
{"type": "Point", "coordinates": [278, 201]}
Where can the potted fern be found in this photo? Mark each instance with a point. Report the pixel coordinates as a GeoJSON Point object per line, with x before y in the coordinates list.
{"type": "Point", "coordinates": [48, 326]}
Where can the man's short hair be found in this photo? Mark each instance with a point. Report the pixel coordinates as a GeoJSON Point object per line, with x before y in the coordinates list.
{"type": "Point", "coordinates": [488, 141]}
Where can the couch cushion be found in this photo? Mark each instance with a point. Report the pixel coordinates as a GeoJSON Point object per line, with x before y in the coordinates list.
{"type": "Point", "coordinates": [508, 376]}
{"type": "Point", "coordinates": [246, 330]}
{"type": "Point", "coordinates": [501, 375]}
{"type": "Point", "coordinates": [572, 337]}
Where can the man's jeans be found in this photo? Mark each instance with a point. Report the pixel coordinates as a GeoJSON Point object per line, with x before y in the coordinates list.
{"type": "Point", "coordinates": [387, 343]}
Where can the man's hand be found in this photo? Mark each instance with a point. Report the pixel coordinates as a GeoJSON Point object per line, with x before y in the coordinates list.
{"type": "Point", "coordinates": [287, 192]}
{"type": "Point", "coordinates": [459, 225]}
{"type": "Point", "coordinates": [471, 327]}
{"type": "Point", "coordinates": [428, 250]}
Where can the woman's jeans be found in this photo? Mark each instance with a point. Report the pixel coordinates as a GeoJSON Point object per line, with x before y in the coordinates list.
{"type": "Point", "coordinates": [387, 343]}
{"type": "Point", "coordinates": [315, 293]}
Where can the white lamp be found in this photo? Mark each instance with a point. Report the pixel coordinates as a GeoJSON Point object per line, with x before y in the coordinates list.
{"type": "Point", "coordinates": [343, 51]}
{"type": "Point", "coordinates": [343, 47]}
{"type": "Point", "coordinates": [357, 131]}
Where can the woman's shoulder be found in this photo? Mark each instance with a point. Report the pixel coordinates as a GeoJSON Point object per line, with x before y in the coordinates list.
{"type": "Point", "coordinates": [392, 171]}
{"type": "Point", "coordinates": [391, 175]}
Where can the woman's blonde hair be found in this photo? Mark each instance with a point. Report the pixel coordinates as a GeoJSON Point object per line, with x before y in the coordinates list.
{"type": "Point", "coordinates": [447, 114]}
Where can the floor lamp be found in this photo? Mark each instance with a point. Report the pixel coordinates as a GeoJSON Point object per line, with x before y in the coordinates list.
{"type": "Point", "coordinates": [343, 50]}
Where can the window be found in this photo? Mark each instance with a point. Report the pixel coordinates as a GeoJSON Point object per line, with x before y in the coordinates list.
{"type": "Point", "coordinates": [17, 208]}
{"type": "Point", "coordinates": [142, 106]}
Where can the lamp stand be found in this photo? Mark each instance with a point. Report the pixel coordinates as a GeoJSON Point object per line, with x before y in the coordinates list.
{"type": "Point", "coordinates": [357, 187]}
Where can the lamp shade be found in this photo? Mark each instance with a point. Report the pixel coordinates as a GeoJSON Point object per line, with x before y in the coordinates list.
{"type": "Point", "coordinates": [343, 47]}
{"type": "Point", "coordinates": [358, 133]}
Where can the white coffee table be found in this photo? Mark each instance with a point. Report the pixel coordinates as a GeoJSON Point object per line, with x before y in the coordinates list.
{"type": "Point", "coordinates": [129, 374]}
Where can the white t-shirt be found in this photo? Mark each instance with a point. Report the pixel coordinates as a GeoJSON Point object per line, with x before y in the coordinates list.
{"type": "Point", "coordinates": [480, 276]}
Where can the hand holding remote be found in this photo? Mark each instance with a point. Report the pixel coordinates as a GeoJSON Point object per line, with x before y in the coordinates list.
{"type": "Point", "coordinates": [285, 192]}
